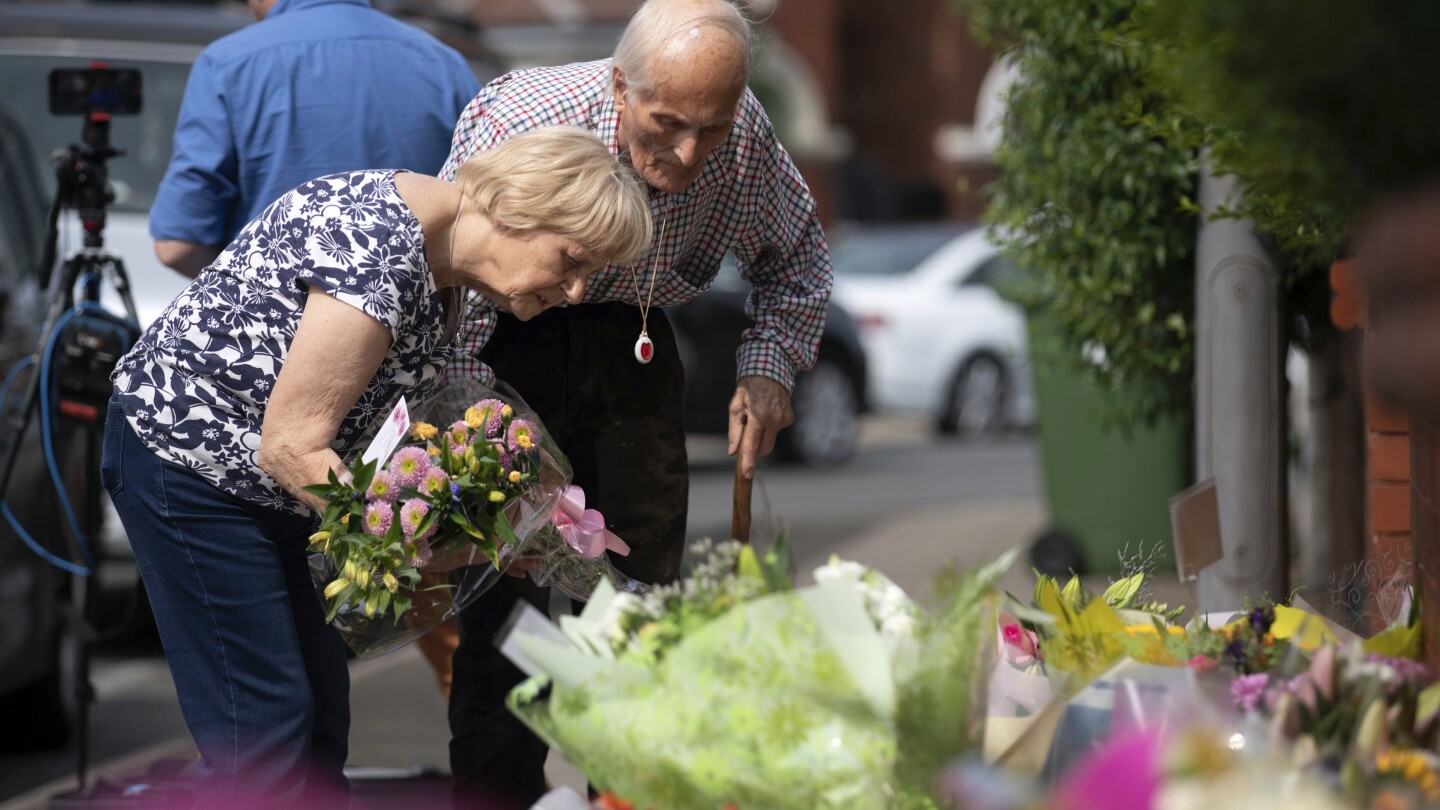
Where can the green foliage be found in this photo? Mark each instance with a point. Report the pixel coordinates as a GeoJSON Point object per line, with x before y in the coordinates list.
{"type": "Point", "coordinates": [1312, 107]}
{"type": "Point", "coordinates": [1318, 105]}
{"type": "Point", "coordinates": [1098, 174]}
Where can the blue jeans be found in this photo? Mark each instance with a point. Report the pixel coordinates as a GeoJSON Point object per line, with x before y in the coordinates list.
{"type": "Point", "coordinates": [262, 679]}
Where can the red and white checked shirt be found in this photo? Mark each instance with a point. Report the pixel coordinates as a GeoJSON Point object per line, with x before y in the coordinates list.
{"type": "Point", "coordinates": [748, 199]}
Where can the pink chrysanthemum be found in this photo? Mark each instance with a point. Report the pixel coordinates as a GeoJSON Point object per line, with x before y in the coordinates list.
{"type": "Point", "coordinates": [490, 411]}
{"type": "Point", "coordinates": [522, 437]}
{"type": "Point", "coordinates": [436, 482]}
{"type": "Point", "coordinates": [418, 552]}
{"type": "Point", "coordinates": [382, 488]}
{"type": "Point", "coordinates": [411, 514]}
{"type": "Point", "coordinates": [507, 461]}
{"type": "Point", "coordinates": [459, 437]}
{"type": "Point", "coordinates": [409, 466]}
{"type": "Point", "coordinates": [378, 517]}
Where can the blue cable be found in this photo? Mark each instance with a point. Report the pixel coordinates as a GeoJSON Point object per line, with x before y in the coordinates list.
{"type": "Point", "coordinates": [44, 553]}
{"type": "Point", "coordinates": [47, 441]}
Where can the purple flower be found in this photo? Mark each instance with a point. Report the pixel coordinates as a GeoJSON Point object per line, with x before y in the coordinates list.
{"type": "Point", "coordinates": [378, 517]}
{"type": "Point", "coordinates": [1405, 669]}
{"type": "Point", "coordinates": [458, 436]}
{"type": "Point", "coordinates": [411, 515]}
{"type": "Point", "coordinates": [383, 487]}
{"type": "Point", "coordinates": [418, 552]}
{"type": "Point", "coordinates": [1261, 619]}
{"type": "Point", "coordinates": [522, 436]}
{"type": "Point", "coordinates": [1235, 651]}
{"type": "Point", "coordinates": [1248, 690]}
{"type": "Point", "coordinates": [490, 411]}
{"type": "Point", "coordinates": [409, 466]}
{"type": "Point", "coordinates": [1303, 688]}
{"type": "Point", "coordinates": [435, 482]}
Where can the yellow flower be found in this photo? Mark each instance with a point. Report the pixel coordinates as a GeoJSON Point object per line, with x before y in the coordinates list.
{"type": "Point", "coordinates": [1148, 647]}
{"type": "Point", "coordinates": [514, 476]}
{"type": "Point", "coordinates": [1409, 765]}
{"type": "Point", "coordinates": [424, 431]}
{"type": "Point", "coordinates": [474, 419]}
{"type": "Point", "coordinates": [319, 537]}
{"type": "Point", "coordinates": [648, 630]}
{"type": "Point", "coordinates": [336, 587]}
{"type": "Point", "coordinates": [507, 411]}
{"type": "Point", "coordinates": [524, 441]}
{"type": "Point", "coordinates": [345, 518]}
{"type": "Point", "coordinates": [372, 604]}
{"type": "Point", "coordinates": [497, 497]}
{"type": "Point", "coordinates": [391, 583]}
{"type": "Point", "coordinates": [432, 451]}
{"type": "Point", "coordinates": [348, 570]}
{"type": "Point", "coordinates": [362, 577]}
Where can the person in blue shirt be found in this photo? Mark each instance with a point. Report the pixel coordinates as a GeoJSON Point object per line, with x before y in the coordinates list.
{"type": "Point", "coordinates": [315, 87]}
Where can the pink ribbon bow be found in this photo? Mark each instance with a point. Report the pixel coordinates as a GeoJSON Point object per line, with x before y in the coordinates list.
{"type": "Point", "coordinates": [584, 529]}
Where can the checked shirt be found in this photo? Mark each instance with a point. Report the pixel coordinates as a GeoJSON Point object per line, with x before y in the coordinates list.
{"type": "Point", "coordinates": [748, 199]}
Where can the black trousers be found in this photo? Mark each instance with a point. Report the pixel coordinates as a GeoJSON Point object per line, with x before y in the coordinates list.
{"type": "Point", "coordinates": [620, 424]}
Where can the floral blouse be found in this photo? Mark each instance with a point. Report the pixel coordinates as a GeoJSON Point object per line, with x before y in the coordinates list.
{"type": "Point", "coordinates": [195, 386]}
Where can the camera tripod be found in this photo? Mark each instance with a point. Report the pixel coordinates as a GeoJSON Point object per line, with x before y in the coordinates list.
{"type": "Point", "coordinates": [67, 388]}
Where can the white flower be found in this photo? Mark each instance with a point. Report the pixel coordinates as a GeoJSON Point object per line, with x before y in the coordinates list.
{"type": "Point", "coordinates": [838, 570]}
{"type": "Point", "coordinates": [611, 624]}
{"type": "Point", "coordinates": [898, 624]}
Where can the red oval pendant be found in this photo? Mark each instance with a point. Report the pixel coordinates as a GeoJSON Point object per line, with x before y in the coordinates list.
{"type": "Point", "coordinates": [644, 349]}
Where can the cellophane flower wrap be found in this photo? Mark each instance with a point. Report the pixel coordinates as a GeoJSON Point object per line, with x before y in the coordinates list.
{"type": "Point", "coordinates": [734, 688]}
{"type": "Point", "coordinates": [405, 544]}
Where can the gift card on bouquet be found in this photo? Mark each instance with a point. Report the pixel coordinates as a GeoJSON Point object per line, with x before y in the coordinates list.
{"type": "Point", "coordinates": [391, 432]}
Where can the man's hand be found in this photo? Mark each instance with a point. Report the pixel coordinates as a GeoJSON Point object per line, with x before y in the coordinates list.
{"type": "Point", "coordinates": [759, 409]}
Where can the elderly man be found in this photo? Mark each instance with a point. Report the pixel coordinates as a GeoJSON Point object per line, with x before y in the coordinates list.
{"type": "Point", "coordinates": [605, 375]}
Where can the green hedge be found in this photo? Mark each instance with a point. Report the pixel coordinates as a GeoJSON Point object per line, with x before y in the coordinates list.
{"type": "Point", "coordinates": [1098, 171]}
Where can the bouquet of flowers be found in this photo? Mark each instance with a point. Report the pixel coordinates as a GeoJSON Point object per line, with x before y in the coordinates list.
{"type": "Point", "coordinates": [406, 542]}
{"type": "Point", "coordinates": [733, 687]}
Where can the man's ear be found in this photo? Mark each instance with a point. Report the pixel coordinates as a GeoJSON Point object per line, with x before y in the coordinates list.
{"type": "Point", "coordinates": [618, 86]}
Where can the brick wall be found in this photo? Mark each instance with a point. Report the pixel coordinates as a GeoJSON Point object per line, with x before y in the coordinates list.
{"type": "Point", "coordinates": [1425, 522]}
{"type": "Point", "coordinates": [1402, 455]}
{"type": "Point", "coordinates": [908, 70]}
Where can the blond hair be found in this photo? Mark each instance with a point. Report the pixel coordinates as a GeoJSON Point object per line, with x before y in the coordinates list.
{"type": "Point", "coordinates": [562, 180]}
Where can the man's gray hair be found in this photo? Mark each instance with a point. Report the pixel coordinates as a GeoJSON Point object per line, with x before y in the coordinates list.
{"type": "Point", "coordinates": [658, 22]}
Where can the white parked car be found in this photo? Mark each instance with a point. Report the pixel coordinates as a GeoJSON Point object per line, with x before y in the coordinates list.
{"type": "Point", "coordinates": [940, 341]}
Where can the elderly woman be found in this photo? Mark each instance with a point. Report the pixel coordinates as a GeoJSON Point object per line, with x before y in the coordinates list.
{"type": "Point", "coordinates": [339, 298]}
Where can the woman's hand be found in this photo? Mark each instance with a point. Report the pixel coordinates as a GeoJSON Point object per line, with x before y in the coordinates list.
{"type": "Point", "coordinates": [335, 354]}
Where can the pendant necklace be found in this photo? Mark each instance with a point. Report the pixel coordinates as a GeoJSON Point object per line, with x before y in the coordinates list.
{"type": "Point", "coordinates": [452, 297]}
{"type": "Point", "coordinates": [644, 347]}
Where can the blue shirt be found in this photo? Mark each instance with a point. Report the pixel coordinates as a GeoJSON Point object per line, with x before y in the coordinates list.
{"type": "Point", "coordinates": [317, 87]}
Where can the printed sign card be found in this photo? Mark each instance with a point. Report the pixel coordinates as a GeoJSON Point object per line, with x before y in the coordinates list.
{"type": "Point", "coordinates": [396, 426]}
{"type": "Point", "coordinates": [1195, 522]}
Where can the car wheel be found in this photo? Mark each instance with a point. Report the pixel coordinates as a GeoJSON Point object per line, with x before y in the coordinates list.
{"type": "Point", "coordinates": [826, 404]}
{"type": "Point", "coordinates": [976, 402]}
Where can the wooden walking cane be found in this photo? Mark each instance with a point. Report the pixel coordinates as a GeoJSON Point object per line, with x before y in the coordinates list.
{"type": "Point", "coordinates": [740, 509]}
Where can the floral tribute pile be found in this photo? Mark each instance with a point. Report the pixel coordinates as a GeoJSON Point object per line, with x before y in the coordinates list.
{"type": "Point", "coordinates": [1115, 705]}
{"type": "Point", "coordinates": [735, 688]}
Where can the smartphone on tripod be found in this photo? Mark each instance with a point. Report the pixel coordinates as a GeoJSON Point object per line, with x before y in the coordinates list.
{"type": "Point", "coordinates": [54, 400]}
